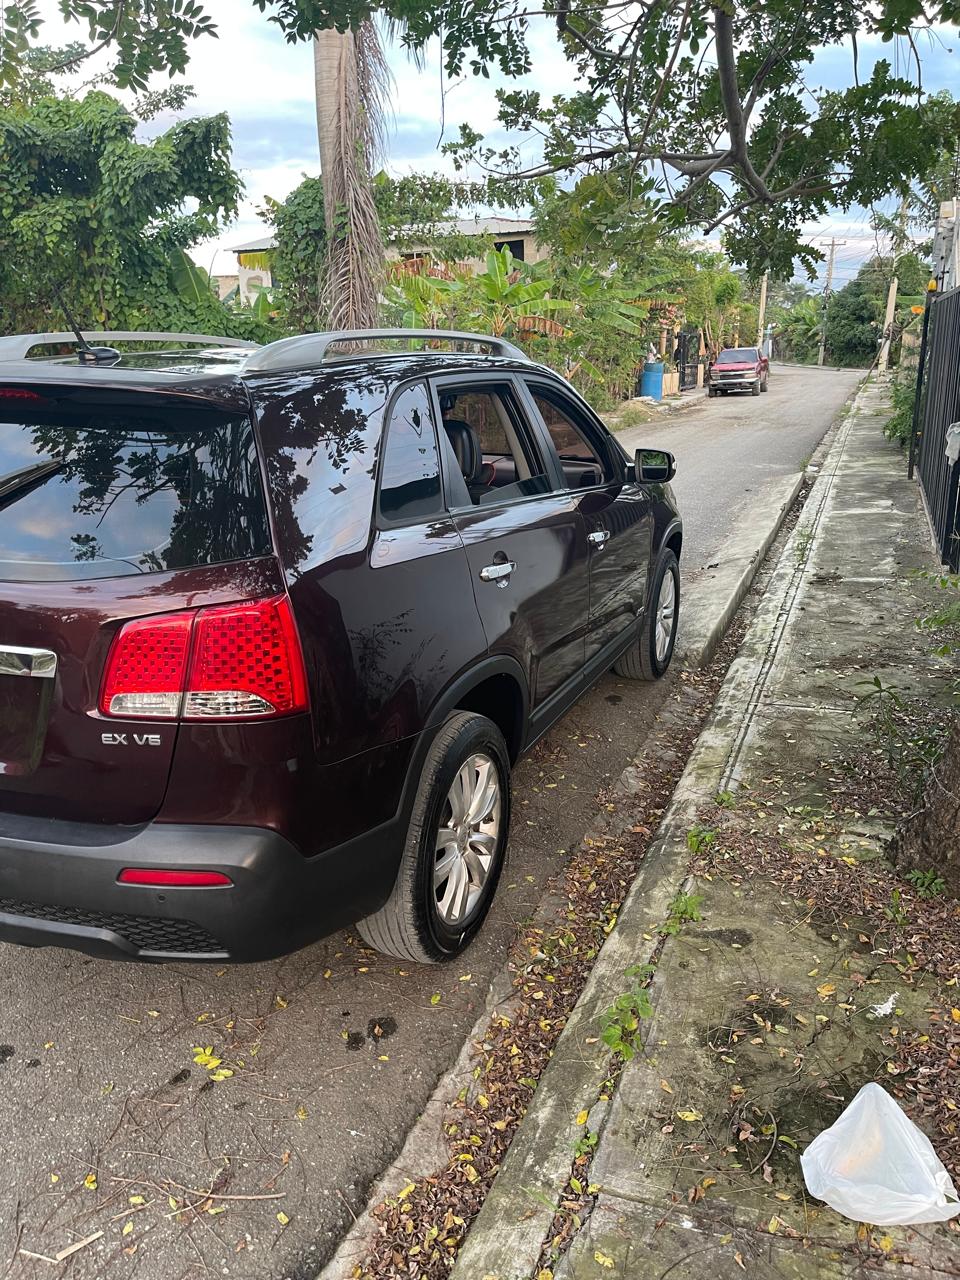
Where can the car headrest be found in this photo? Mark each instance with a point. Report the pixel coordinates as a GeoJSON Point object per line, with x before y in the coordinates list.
{"type": "Point", "coordinates": [466, 447]}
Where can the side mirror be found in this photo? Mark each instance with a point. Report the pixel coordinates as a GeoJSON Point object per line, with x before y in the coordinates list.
{"type": "Point", "coordinates": [655, 466]}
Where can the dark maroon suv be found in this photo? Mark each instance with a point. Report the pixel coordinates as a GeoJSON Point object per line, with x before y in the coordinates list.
{"type": "Point", "coordinates": [275, 622]}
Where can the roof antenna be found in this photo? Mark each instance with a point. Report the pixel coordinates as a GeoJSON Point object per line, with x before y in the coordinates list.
{"type": "Point", "coordinates": [85, 353]}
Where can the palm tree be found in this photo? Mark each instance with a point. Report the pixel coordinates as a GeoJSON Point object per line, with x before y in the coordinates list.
{"type": "Point", "coordinates": [351, 78]}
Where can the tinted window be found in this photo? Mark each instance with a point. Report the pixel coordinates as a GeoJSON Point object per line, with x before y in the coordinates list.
{"type": "Point", "coordinates": [410, 478]}
{"type": "Point", "coordinates": [583, 458]}
{"type": "Point", "coordinates": [737, 355]}
{"type": "Point", "coordinates": [490, 442]}
{"type": "Point", "coordinates": [103, 494]}
{"type": "Point", "coordinates": [320, 436]}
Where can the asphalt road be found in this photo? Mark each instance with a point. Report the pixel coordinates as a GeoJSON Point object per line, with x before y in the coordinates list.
{"type": "Point", "coordinates": [729, 449]}
{"type": "Point", "coordinates": [104, 1113]}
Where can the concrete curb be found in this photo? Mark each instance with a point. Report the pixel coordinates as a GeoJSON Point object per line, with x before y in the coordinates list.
{"type": "Point", "coordinates": [583, 1069]}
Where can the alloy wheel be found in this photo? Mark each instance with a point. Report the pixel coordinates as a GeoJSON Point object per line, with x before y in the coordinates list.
{"type": "Point", "coordinates": [666, 616]}
{"type": "Point", "coordinates": [468, 838]}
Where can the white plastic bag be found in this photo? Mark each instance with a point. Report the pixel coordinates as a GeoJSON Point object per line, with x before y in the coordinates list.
{"type": "Point", "coordinates": [874, 1165]}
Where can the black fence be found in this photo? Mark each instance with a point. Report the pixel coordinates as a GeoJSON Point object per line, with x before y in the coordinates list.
{"type": "Point", "coordinates": [938, 408]}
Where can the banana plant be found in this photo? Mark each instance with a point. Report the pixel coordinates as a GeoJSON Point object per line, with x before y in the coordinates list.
{"type": "Point", "coordinates": [190, 281]}
{"type": "Point", "coordinates": [416, 301]}
{"type": "Point", "coordinates": [506, 297]}
{"type": "Point", "coordinates": [604, 301]}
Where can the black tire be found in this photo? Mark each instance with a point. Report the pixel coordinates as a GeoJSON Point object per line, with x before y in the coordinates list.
{"type": "Point", "coordinates": [755, 389]}
{"type": "Point", "coordinates": [763, 384]}
{"type": "Point", "coordinates": [711, 392]}
{"type": "Point", "coordinates": [640, 662]}
{"type": "Point", "coordinates": [409, 925]}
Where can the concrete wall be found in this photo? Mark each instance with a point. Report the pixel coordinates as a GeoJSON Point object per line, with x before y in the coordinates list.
{"type": "Point", "coordinates": [532, 252]}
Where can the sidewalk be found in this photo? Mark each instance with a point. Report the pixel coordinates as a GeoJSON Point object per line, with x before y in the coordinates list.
{"type": "Point", "coordinates": [799, 966]}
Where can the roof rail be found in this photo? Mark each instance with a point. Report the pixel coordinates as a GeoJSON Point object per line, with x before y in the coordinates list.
{"type": "Point", "coordinates": [18, 345]}
{"type": "Point", "coordinates": [311, 348]}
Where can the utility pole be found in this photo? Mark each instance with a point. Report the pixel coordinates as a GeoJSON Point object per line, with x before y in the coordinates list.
{"type": "Point", "coordinates": [883, 361]}
{"type": "Point", "coordinates": [834, 243]}
{"type": "Point", "coordinates": [763, 309]}
{"type": "Point", "coordinates": [884, 358]}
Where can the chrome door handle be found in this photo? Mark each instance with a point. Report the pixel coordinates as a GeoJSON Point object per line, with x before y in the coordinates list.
{"type": "Point", "coordinates": [599, 537]}
{"type": "Point", "coordinates": [498, 573]}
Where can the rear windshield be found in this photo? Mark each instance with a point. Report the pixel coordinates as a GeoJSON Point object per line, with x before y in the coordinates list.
{"type": "Point", "coordinates": [97, 495]}
{"type": "Point", "coordinates": [737, 355]}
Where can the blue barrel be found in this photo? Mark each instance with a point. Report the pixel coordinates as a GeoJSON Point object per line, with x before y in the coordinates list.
{"type": "Point", "coordinates": [651, 383]}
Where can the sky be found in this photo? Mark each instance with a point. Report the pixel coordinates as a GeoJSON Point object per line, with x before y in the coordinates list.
{"type": "Point", "coordinates": [266, 87]}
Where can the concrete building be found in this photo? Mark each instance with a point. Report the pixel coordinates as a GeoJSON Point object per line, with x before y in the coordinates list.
{"type": "Point", "coordinates": [516, 234]}
{"type": "Point", "coordinates": [253, 269]}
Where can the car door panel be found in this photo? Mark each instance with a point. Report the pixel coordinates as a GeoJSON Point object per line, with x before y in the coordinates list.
{"type": "Point", "coordinates": [617, 513]}
{"type": "Point", "coordinates": [619, 564]}
{"type": "Point", "coordinates": [527, 552]}
{"type": "Point", "coordinates": [537, 613]}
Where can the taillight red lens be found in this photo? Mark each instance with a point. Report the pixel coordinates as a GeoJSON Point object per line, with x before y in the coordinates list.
{"type": "Point", "coordinates": [20, 393]}
{"type": "Point", "coordinates": [145, 671]}
{"type": "Point", "coordinates": [173, 879]}
{"type": "Point", "coordinates": [246, 661]}
{"type": "Point", "coordinates": [228, 662]}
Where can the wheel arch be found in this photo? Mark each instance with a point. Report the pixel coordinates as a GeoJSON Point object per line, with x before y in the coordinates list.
{"type": "Point", "coordinates": [495, 688]}
{"type": "Point", "coordinates": [672, 538]}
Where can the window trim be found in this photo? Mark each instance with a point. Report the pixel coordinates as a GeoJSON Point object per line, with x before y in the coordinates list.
{"type": "Point", "coordinates": [527, 428]}
{"type": "Point", "coordinates": [382, 521]}
{"type": "Point", "coordinates": [606, 442]}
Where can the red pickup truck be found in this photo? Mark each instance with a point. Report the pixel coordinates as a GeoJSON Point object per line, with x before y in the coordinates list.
{"type": "Point", "coordinates": [739, 369]}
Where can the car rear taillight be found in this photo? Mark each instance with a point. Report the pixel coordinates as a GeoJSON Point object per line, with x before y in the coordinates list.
{"type": "Point", "coordinates": [145, 670]}
{"type": "Point", "coordinates": [20, 393]}
{"type": "Point", "coordinates": [245, 661]}
{"type": "Point", "coordinates": [222, 663]}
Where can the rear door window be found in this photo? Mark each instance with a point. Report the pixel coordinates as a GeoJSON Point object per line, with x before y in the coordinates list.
{"type": "Point", "coordinates": [491, 454]}
{"type": "Point", "coordinates": [105, 494]}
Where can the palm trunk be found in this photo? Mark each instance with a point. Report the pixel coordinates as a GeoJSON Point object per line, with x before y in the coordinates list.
{"type": "Point", "coordinates": [349, 76]}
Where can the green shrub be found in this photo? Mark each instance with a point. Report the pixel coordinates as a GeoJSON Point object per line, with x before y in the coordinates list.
{"type": "Point", "coordinates": [903, 388]}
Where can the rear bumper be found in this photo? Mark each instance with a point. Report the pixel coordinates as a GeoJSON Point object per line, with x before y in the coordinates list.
{"type": "Point", "coordinates": [58, 887]}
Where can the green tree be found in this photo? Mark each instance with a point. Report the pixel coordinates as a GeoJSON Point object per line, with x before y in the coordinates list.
{"type": "Point", "coordinates": [855, 314]}
{"type": "Point", "coordinates": [412, 210]}
{"type": "Point", "coordinates": [87, 209]}
{"type": "Point", "coordinates": [941, 180]}
{"type": "Point", "coordinates": [700, 110]}
{"type": "Point", "coordinates": [798, 330]}
{"type": "Point", "coordinates": [853, 324]}
{"type": "Point", "coordinates": [713, 300]}
{"type": "Point", "coordinates": [911, 271]}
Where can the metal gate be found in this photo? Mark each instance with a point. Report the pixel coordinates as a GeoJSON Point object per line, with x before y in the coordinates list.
{"type": "Point", "coordinates": [938, 403]}
{"type": "Point", "coordinates": [687, 357]}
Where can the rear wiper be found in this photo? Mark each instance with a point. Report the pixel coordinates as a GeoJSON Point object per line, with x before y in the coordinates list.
{"type": "Point", "coordinates": [26, 477]}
